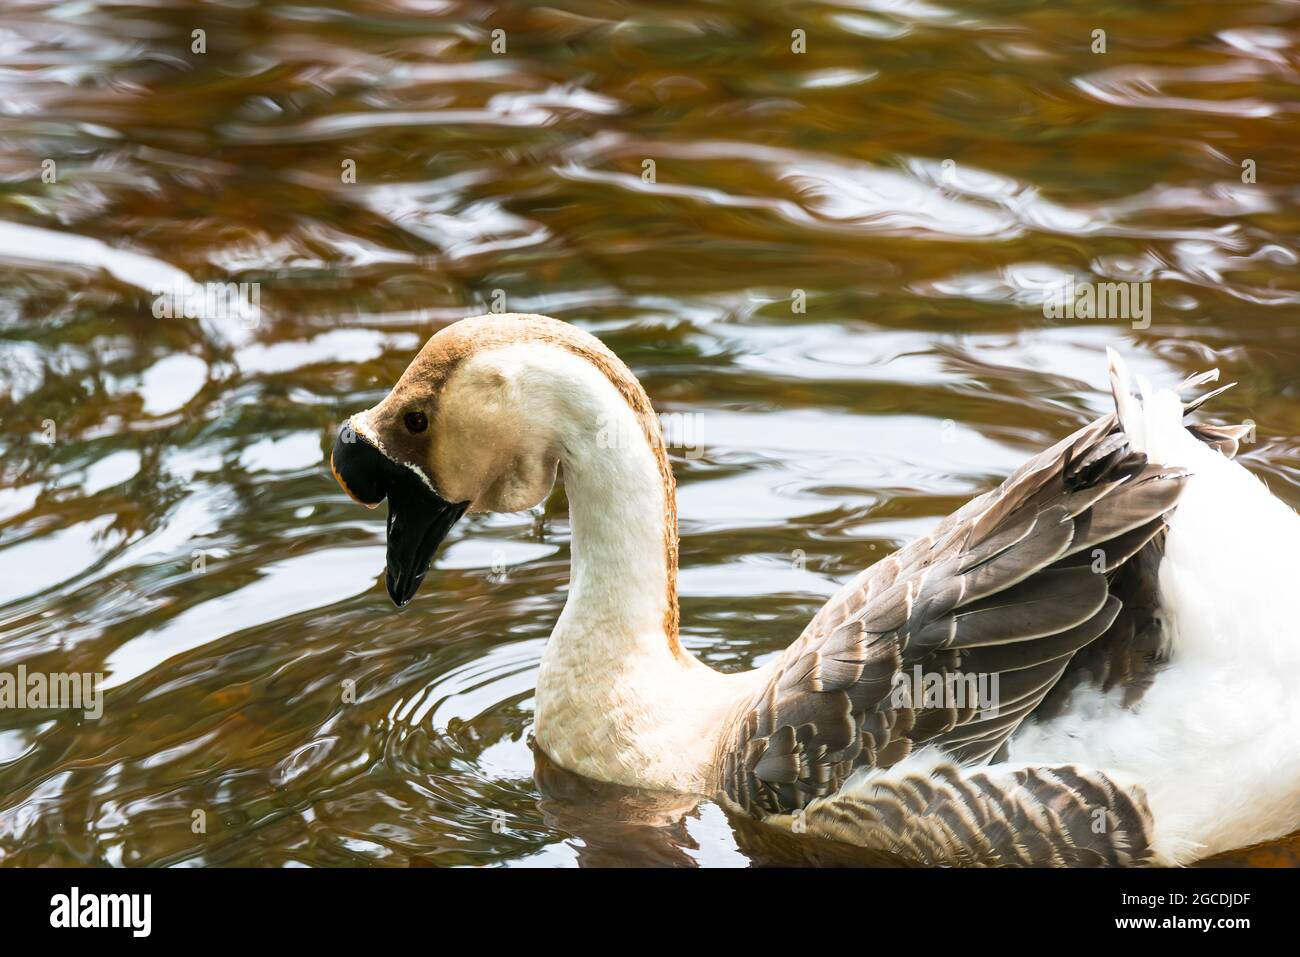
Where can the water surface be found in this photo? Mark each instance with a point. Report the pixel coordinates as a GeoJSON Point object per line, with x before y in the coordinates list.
{"type": "Point", "coordinates": [834, 277]}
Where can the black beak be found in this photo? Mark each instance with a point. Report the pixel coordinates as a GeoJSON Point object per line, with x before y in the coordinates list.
{"type": "Point", "coordinates": [418, 518]}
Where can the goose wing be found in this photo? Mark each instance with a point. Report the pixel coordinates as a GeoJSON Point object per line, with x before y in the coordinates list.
{"type": "Point", "coordinates": [1008, 588]}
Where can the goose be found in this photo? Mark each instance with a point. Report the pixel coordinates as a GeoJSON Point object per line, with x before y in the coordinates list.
{"type": "Point", "coordinates": [1128, 593]}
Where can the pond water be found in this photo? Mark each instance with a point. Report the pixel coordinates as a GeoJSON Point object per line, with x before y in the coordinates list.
{"type": "Point", "coordinates": [827, 267]}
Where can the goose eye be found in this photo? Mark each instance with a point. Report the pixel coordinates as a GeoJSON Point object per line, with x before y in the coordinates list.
{"type": "Point", "coordinates": [416, 421]}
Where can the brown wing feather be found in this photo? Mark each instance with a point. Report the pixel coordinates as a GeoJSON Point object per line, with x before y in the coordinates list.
{"type": "Point", "coordinates": [1060, 815]}
{"type": "Point", "coordinates": [1013, 584]}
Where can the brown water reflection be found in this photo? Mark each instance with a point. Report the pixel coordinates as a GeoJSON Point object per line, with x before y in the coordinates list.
{"type": "Point", "coordinates": [922, 173]}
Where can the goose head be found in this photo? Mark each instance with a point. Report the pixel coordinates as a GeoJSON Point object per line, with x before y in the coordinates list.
{"type": "Point", "coordinates": [468, 427]}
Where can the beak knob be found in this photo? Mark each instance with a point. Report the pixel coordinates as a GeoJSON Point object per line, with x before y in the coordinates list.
{"type": "Point", "coordinates": [359, 467]}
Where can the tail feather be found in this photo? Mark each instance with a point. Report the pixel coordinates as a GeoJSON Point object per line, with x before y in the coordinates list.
{"type": "Point", "coordinates": [1126, 404]}
{"type": "Point", "coordinates": [1152, 418]}
{"type": "Point", "coordinates": [1226, 439]}
{"type": "Point", "coordinates": [1200, 400]}
{"type": "Point", "coordinates": [1197, 379]}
